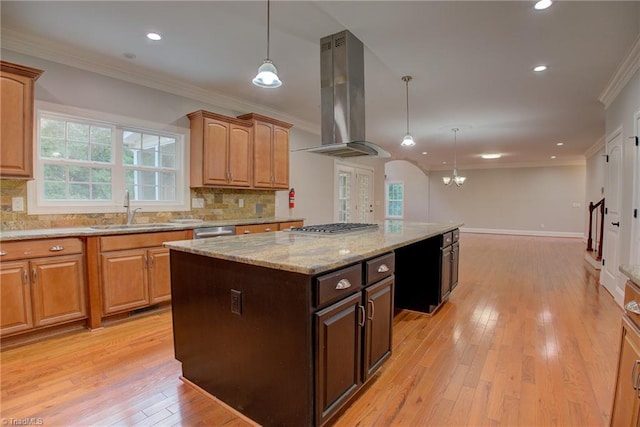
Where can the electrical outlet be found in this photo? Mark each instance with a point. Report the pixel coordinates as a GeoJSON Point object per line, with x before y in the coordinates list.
{"type": "Point", "coordinates": [17, 204]}
{"type": "Point", "coordinates": [197, 203]}
{"type": "Point", "coordinates": [575, 204]}
{"type": "Point", "coordinates": [241, 203]}
{"type": "Point", "coordinates": [236, 302]}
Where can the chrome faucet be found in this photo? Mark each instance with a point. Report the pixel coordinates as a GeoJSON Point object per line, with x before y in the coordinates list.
{"type": "Point", "coordinates": [130, 213]}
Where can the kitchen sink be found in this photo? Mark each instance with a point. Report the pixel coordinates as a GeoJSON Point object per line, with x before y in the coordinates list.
{"type": "Point", "coordinates": [130, 226]}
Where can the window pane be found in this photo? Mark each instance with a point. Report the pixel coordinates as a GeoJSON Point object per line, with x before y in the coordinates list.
{"type": "Point", "coordinates": [78, 151]}
{"type": "Point", "coordinates": [78, 132]}
{"type": "Point", "coordinates": [54, 190]}
{"type": "Point", "coordinates": [79, 174]}
{"type": "Point", "coordinates": [51, 128]}
{"type": "Point", "coordinates": [79, 191]}
{"type": "Point", "coordinates": [132, 144]}
{"type": "Point", "coordinates": [101, 191]}
{"type": "Point", "coordinates": [101, 153]}
{"type": "Point", "coordinates": [149, 158]}
{"type": "Point", "coordinates": [101, 135]}
{"type": "Point", "coordinates": [148, 193]}
{"type": "Point", "coordinates": [101, 175]}
{"type": "Point", "coordinates": [55, 173]}
{"type": "Point", "coordinates": [51, 148]}
{"type": "Point", "coordinates": [168, 161]}
{"type": "Point", "coordinates": [167, 145]}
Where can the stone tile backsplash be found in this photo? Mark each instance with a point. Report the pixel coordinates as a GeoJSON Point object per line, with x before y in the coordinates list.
{"type": "Point", "coordinates": [219, 204]}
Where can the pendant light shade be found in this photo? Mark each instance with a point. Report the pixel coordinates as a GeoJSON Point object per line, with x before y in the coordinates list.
{"type": "Point", "coordinates": [407, 141]}
{"type": "Point", "coordinates": [267, 76]}
{"type": "Point", "coordinates": [455, 178]}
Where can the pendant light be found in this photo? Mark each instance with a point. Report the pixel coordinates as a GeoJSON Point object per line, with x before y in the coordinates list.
{"type": "Point", "coordinates": [267, 73]}
{"type": "Point", "coordinates": [407, 141]}
{"type": "Point", "coordinates": [457, 179]}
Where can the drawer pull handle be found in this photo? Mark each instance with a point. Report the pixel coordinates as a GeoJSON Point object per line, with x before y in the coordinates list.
{"type": "Point", "coordinates": [56, 248]}
{"type": "Point", "coordinates": [267, 229]}
{"type": "Point", "coordinates": [633, 307]}
{"type": "Point", "coordinates": [343, 284]}
{"type": "Point", "coordinates": [634, 380]}
{"type": "Point", "coordinates": [3, 253]}
{"type": "Point", "coordinates": [383, 268]}
{"type": "Point", "coordinates": [363, 316]}
{"type": "Point", "coordinates": [373, 309]}
{"type": "Point", "coordinates": [247, 231]}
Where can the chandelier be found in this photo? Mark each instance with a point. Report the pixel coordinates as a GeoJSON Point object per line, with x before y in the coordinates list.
{"type": "Point", "coordinates": [457, 179]}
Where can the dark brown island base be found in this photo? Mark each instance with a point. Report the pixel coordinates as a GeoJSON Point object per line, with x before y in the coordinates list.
{"type": "Point", "coordinates": [286, 327]}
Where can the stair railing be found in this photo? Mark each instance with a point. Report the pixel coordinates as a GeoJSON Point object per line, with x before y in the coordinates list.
{"type": "Point", "coordinates": [598, 208]}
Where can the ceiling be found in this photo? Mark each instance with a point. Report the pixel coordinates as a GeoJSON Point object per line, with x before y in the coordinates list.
{"type": "Point", "coordinates": [471, 64]}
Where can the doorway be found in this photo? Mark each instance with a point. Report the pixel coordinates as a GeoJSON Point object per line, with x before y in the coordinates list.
{"type": "Point", "coordinates": [354, 193]}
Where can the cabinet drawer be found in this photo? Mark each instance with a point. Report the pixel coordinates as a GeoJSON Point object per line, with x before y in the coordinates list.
{"type": "Point", "coordinates": [379, 268]}
{"type": "Point", "coordinates": [139, 240]}
{"type": "Point", "coordinates": [333, 286]}
{"type": "Point", "coordinates": [256, 228]}
{"type": "Point", "coordinates": [631, 296]}
{"type": "Point", "coordinates": [456, 235]}
{"type": "Point", "coordinates": [39, 248]}
{"type": "Point", "coordinates": [288, 225]}
{"type": "Point", "coordinates": [447, 239]}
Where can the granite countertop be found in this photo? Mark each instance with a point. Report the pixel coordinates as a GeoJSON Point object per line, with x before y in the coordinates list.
{"type": "Point", "coordinates": [632, 271]}
{"type": "Point", "coordinates": [311, 253]}
{"type": "Point", "coordinates": [135, 228]}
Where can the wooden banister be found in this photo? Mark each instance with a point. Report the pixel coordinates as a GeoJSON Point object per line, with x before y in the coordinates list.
{"type": "Point", "coordinates": [592, 208]}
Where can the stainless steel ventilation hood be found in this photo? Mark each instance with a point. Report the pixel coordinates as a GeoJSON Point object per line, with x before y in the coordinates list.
{"type": "Point", "coordinates": [342, 98]}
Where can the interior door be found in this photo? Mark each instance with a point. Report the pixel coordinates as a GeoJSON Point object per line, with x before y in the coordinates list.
{"type": "Point", "coordinates": [635, 237]}
{"type": "Point", "coordinates": [610, 276]}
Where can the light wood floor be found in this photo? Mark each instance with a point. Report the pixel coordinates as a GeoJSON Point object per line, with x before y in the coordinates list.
{"type": "Point", "coordinates": [528, 338]}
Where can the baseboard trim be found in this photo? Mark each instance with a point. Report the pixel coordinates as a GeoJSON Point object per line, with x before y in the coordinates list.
{"type": "Point", "coordinates": [523, 232]}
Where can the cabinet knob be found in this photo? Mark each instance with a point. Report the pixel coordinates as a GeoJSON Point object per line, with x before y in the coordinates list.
{"type": "Point", "coordinates": [267, 229]}
{"type": "Point", "coordinates": [343, 284]}
{"type": "Point", "coordinates": [383, 268]}
{"type": "Point", "coordinates": [56, 248]}
{"type": "Point", "coordinates": [247, 231]}
{"type": "Point", "coordinates": [633, 307]}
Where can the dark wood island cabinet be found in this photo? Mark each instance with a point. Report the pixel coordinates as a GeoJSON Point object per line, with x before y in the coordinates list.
{"type": "Point", "coordinates": [286, 327]}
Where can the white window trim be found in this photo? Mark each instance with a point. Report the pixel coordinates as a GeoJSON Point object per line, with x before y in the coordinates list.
{"type": "Point", "coordinates": [36, 205]}
{"type": "Point", "coordinates": [386, 199]}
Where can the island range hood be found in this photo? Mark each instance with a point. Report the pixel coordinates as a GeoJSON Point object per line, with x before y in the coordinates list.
{"type": "Point", "coordinates": [342, 98]}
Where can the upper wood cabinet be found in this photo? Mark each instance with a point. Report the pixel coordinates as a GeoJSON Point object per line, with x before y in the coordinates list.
{"type": "Point", "coordinates": [221, 150]}
{"type": "Point", "coordinates": [16, 120]}
{"type": "Point", "coordinates": [270, 152]}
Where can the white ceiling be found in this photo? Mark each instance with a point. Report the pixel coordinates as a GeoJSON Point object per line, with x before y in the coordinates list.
{"type": "Point", "coordinates": [470, 61]}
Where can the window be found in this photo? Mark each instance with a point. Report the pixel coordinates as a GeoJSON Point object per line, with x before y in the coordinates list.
{"type": "Point", "coordinates": [394, 196]}
{"type": "Point", "coordinates": [85, 161]}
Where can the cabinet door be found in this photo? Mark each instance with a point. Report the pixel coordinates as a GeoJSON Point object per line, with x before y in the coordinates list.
{"type": "Point", "coordinates": [159, 275]}
{"type": "Point", "coordinates": [16, 125]}
{"type": "Point", "coordinates": [58, 289]}
{"type": "Point", "coordinates": [378, 300]}
{"type": "Point", "coordinates": [124, 280]}
{"type": "Point", "coordinates": [455, 263]}
{"type": "Point", "coordinates": [338, 354]}
{"type": "Point", "coordinates": [215, 152]}
{"type": "Point", "coordinates": [445, 279]}
{"type": "Point", "coordinates": [627, 393]}
{"type": "Point", "coordinates": [240, 155]}
{"type": "Point", "coordinates": [262, 155]}
{"type": "Point", "coordinates": [15, 297]}
{"type": "Point", "coordinates": [280, 157]}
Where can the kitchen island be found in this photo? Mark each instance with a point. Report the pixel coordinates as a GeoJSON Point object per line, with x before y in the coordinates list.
{"type": "Point", "coordinates": [286, 327]}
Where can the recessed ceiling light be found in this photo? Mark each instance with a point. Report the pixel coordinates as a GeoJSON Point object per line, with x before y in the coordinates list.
{"type": "Point", "coordinates": [424, 153]}
{"type": "Point", "coordinates": [539, 68]}
{"type": "Point", "coordinates": [542, 4]}
{"type": "Point", "coordinates": [491, 156]}
{"type": "Point", "coordinates": [154, 36]}
{"type": "Point", "coordinates": [560, 144]}
{"type": "Point", "coordinates": [553, 157]}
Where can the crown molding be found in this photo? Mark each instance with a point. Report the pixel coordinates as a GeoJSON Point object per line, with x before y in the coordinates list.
{"type": "Point", "coordinates": [49, 50]}
{"type": "Point", "coordinates": [599, 145]}
{"type": "Point", "coordinates": [540, 164]}
{"type": "Point", "coordinates": [621, 77]}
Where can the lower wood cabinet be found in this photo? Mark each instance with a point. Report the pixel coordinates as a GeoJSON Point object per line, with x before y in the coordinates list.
{"type": "Point", "coordinates": [134, 270]}
{"type": "Point", "coordinates": [353, 336]}
{"type": "Point", "coordinates": [626, 409]}
{"type": "Point", "coordinates": [267, 227]}
{"type": "Point", "coordinates": [44, 285]}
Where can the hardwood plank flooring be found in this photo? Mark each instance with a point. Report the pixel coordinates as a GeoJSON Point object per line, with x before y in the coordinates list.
{"type": "Point", "coordinates": [528, 338]}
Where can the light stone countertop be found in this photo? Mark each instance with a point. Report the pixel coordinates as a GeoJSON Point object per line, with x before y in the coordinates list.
{"type": "Point", "coordinates": [86, 231]}
{"type": "Point", "coordinates": [311, 253]}
{"type": "Point", "coordinates": [632, 271]}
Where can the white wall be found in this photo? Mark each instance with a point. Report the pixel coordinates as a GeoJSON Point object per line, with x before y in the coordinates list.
{"type": "Point", "coordinates": [621, 113]}
{"type": "Point", "coordinates": [533, 200]}
{"type": "Point", "coordinates": [416, 188]}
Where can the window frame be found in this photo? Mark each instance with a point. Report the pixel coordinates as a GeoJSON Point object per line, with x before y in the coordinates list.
{"type": "Point", "coordinates": [387, 185]}
{"type": "Point", "coordinates": [35, 188]}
